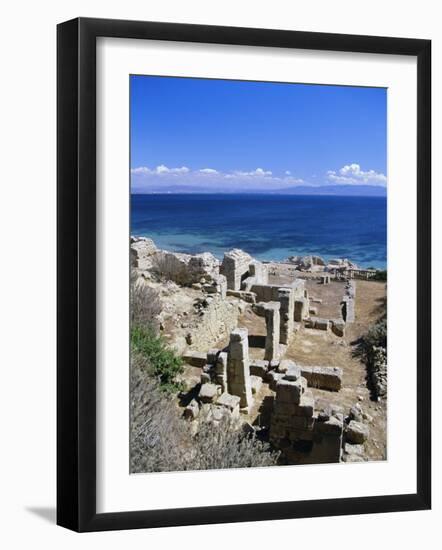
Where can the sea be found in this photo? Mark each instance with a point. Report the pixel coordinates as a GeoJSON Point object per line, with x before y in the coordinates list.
{"type": "Point", "coordinates": [269, 227]}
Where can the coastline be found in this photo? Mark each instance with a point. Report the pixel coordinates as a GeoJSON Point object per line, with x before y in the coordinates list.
{"type": "Point", "coordinates": [269, 227]}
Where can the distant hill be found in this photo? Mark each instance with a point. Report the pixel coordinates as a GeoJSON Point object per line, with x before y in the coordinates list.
{"type": "Point", "coordinates": [340, 190]}
{"type": "Point", "coordinates": [337, 190]}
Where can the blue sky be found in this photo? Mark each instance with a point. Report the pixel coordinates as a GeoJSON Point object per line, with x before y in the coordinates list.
{"type": "Point", "coordinates": [220, 135]}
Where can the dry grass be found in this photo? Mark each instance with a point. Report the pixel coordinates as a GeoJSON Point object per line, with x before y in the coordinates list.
{"type": "Point", "coordinates": [145, 303]}
{"type": "Point", "coordinates": [162, 441]}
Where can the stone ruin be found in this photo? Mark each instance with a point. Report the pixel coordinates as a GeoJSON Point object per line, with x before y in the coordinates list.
{"type": "Point", "coordinates": [238, 368]}
{"type": "Point", "coordinates": [242, 271]}
{"type": "Point", "coordinates": [337, 326]}
{"type": "Point", "coordinates": [304, 429]}
{"type": "Point", "coordinates": [200, 271]}
{"type": "Point", "coordinates": [348, 302]}
{"type": "Point", "coordinates": [306, 434]}
{"type": "Point", "coordinates": [303, 432]}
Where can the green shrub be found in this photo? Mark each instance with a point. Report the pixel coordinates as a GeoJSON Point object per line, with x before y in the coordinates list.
{"type": "Point", "coordinates": [162, 361]}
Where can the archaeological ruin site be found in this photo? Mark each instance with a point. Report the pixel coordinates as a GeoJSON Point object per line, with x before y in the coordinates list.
{"type": "Point", "coordinates": [273, 347]}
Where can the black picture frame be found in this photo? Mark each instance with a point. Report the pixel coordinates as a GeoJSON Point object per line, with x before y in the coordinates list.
{"type": "Point", "coordinates": [76, 274]}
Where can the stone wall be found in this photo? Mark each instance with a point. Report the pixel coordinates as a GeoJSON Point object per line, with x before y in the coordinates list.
{"type": "Point", "coordinates": [377, 369]}
{"type": "Point", "coordinates": [142, 251]}
{"type": "Point", "coordinates": [234, 266]}
{"type": "Point", "coordinates": [303, 435]}
{"type": "Point", "coordinates": [185, 269]}
{"type": "Point", "coordinates": [324, 378]}
{"type": "Point", "coordinates": [219, 319]}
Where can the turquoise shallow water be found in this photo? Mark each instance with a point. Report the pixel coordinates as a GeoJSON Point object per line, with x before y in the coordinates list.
{"type": "Point", "coordinates": [269, 227]}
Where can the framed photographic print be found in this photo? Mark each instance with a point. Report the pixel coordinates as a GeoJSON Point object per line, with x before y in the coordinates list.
{"type": "Point", "coordinates": [243, 219]}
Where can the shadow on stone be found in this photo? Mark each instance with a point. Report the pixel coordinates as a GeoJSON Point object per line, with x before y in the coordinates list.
{"type": "Point", "coordinates": [257, 341]}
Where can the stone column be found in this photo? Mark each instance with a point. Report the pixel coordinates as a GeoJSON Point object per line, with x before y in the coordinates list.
{"type": "Point", "coordinates": [238, 367]}
{"type": "Point", "coordinates": [221, 370]}
{"type": "Point", "coordinates": [286, 299]}
{"type": "Point", "coordinates": [273, 330]}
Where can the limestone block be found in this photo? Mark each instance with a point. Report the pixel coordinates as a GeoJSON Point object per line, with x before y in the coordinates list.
{"type": "Point", "coordinates": [273, 331]}
{"type": "Point", "coordinates": [208, 393]}
{"type": "Point", "coordinates": [348, 309]}
{"type": "Point", "coordinates": [266, 293]}
{"type": "Point", "coordinates": [338, 327]}
{"type": "Point", "coordinates": [313, 311]}
{"type": "Point", "coordinates": [301, 307]}
{"type": "Point", "coordinates": [277, 432]}
{"type": "Point", "coordinates": [292, 373]}
{"type": "Point", "coordinates": [192, 410]}
{"type": "Point", "coordinates": [249, 297]}
{"type": "Point", "coordinates": [332, 426]}
{"type": "Point", "coordinates": [304, 409]}
{"type": "Point", "coordinates": [273, 378]}
{"type": "Point", "coordinates": [356, 413]}
{"type": "Point", "coordinates": [328, 450]}
{"type": "Point", "coordinates": [258, 270]}
{"type": "Point", "coordinates": [195, 358]}
{"type": "Point", "coordinates": [306, 405]}
{"type": "Point", "coordinates": [142, 251]}
{"type": "Point", "coordinates": [185, 269]}
{"type": "Point", "coordinates": [238, 367]}
{"type": "Point", "coordinates": [324, 378]}
{"type": "Point", "coordinates": [290, 392]}
{"type": "Point", "coordinates": [286, 299]}
{"type": "Point", "coordinates": [300, 423]}
{"type": "Point", "coordinates": [310, 322]}
{"type": "Point", "coordinates": [235, 264]}
{"type": "Point", "coordinates": [285, 364]}
{"type": "Point", "coordinates": [356, 432]}
{"type": "Point", "coordinates": [256, 383]}
{"type": "Point", "coordinates": [321, 324]}
{"type": "Point", "coordinates": [259, 367]}
{"type": "Point", "coordinates": [231, 402]}
{"type": "Point", "coordinates": [351, 449]}
{"type": "Point", "coordinates": [221, 363]}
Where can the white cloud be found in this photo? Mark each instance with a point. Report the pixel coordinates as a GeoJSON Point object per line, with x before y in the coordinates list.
{"type": "Point", "coordinates": [258, 172]}
{"type": "Point", "coordinates": [351, 174]}
{"type": "Point", "coordinates": [161, 169]}
{"type": "Point", "coordinates": [141, 170]}
{"type": "Point", "coordinates": [206, 179]}
{"type": "Point", "coordinates": [287, 173]}
{"type": "Point", "coordinates": [208, 171]}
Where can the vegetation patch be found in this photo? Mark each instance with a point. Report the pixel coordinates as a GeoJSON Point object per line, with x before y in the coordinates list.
{"type": "Point", "coordinates": [161, 361]}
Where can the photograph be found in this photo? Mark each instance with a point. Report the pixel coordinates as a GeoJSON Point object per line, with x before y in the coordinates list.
{"type": "Point", "coordinates": [258, 276]}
